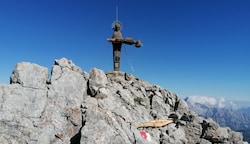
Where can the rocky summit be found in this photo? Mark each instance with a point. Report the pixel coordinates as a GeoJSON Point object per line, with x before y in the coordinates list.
{"type": "Point", "coordinates": [75, 107]}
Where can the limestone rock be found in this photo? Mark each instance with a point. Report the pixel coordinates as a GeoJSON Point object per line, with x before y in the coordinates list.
{"type": "Point", "coordinates": [75, 107]}
{"type": "Point", "coordinates": [97, 80]}
{"type": "Point", "coordinates": [40, 112]}
{"type": "Point", "coordinates": [65, 96]}
{"type": "Point", "coordinates": [20, 112]}
{"type": "Point", "coordinates": [30, 75]}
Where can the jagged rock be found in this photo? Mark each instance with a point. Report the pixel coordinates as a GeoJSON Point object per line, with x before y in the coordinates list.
{"type": "Point", "coordinates": [63, 62]}
{"type": "Point", "coordinates": [65, 96]}
{"type": "Point", "coordinates": [37, 112]}
{"type": "Point", "coordinates": [20, 112]}
{"type": "Point", "coordinates": [97, 80]}
{"type": "Point", "coordinates": [80, 108]}
{"type": "Point", "coordinates": [30, 75]}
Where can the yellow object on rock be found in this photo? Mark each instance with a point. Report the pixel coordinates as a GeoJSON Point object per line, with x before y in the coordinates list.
{"type": "Point", "coordinates": [156, 123]}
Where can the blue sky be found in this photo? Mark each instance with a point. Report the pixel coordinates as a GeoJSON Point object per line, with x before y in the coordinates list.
{"type": "Point", "coordinates": [195, 47]}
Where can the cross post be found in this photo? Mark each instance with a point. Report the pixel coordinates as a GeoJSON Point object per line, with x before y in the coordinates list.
{"type": "Point", "coordinates": [117, 40]}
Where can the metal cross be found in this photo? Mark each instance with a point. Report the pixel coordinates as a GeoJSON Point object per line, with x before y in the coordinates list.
{"type": "Point", "coordinates": [117, 40]}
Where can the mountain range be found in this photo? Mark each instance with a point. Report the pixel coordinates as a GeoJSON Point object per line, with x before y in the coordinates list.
{"type": "Point", "coordinates": [226, 113]}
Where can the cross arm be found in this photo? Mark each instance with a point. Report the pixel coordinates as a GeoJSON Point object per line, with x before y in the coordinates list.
{"type": "Point", "coordinates": [127, 40]}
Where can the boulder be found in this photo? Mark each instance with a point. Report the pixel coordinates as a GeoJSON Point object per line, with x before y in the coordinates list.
{"type": "Point", "coordinates": [30, 75]}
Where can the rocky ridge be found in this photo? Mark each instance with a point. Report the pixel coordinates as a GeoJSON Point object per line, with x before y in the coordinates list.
{"type": "Point", "coordinates": [73, 106]}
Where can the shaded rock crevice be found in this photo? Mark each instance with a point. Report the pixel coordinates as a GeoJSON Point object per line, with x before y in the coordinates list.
{"type": "Point", "coordinates": [76, 139]}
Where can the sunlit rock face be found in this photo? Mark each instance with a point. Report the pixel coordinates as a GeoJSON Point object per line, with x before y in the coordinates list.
{"type": "Point", "coordinates": [73, 106]}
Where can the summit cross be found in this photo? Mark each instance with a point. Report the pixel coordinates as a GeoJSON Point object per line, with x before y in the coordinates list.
{"type": "Point", "coordinates": [117, 40]}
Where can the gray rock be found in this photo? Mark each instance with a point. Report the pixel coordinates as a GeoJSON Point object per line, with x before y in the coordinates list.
{"type": "Point", "coordinates": [30, 75]}
{"type": "Point", "coordinates": [97, 80]}
{"type": "Point", "coordinates": [76, 107]}
{"type": "Point", "coordinates": [20, 112]}
{"type": "Point", "coordinates": [63, 62]}
{"type": "Point", "coordinates": [33, 111]}
{"type": "Point", "coordinates": [65, 96]}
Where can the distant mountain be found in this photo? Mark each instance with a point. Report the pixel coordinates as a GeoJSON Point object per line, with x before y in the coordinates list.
{"type": "Point", "coordinates": [245, 110]}
{"type": "Point", "coordinates": [242, 104]}
{"type": "Point", "coordinates": [246, 135]}
{"type": "Point", "coordinates": [226, 113]}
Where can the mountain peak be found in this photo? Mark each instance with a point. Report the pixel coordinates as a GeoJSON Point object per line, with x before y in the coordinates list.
{"type": "Point", "coordinates": [73, 106]}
